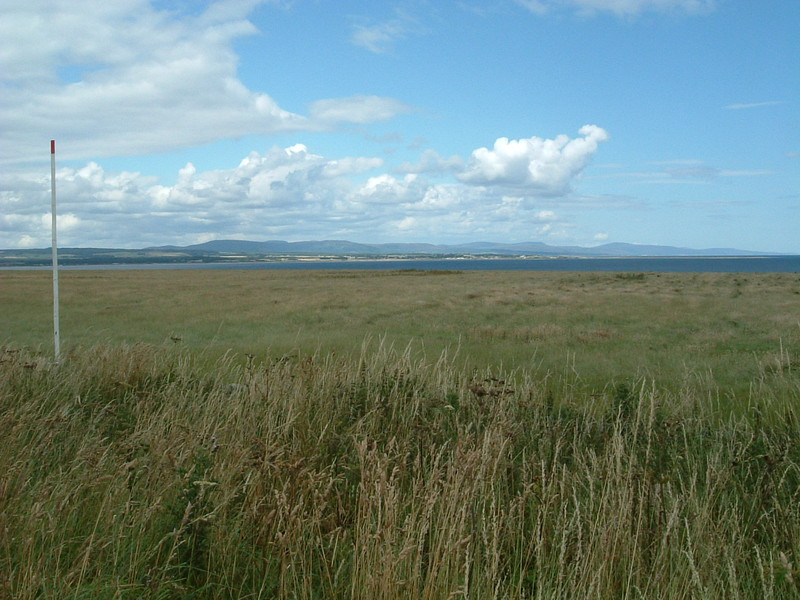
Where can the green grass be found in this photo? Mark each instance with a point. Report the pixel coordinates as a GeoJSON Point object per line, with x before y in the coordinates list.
{"type": "Point", "coordinates": [600, 327]}
{"type": "Point", "coordinates": [584, 436]}
{"type": "Point", "coordinates": [135, 472]}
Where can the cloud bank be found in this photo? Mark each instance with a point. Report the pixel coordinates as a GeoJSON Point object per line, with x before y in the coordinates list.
{"type": "Point", "coordinates": [514, 190]}
{"type": "Point", "coordinates": [126, 78]}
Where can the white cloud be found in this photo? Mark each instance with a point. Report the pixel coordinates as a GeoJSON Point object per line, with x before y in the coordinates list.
{"type": "Point", "coordinates": [546, 215]}
{"type": "Point", "coordinates": [431, 162]}
{"type": "Point", "coordinates": [407, 224]}
{"type": "Point", "coordinates": [288, 193]}
{"type": "Point", "coordinates": [379, 38]}
{"type": "Point", "coordinates": [128, 77]}
{"type": "Point", "coordinates": [544, 166]}
{"type": "Point", "coordinates": [537, 6]}
{"type": "Point", "coordinates": [620, 7]}
{"type": "Point", "coordinates": [64, 223]}
{"type": "Point", "coordinates": [685, 171]}
{"type": "Point", "coordinates": [266, 195]}
{"type": "Point", "coordinates": [357, 109]}
{"type": "Point", "coordinates": [124, 77]}
{"type": "Point", "coordinates": [27, 241]}
{"type": "Point", "coordinates": [351, 166]}
{"type": "Point", "coordinates": [387, 189]}
{"type": "Point", "coordinates": [752, 105]}
{"type": "Point", "coordinates": [707, 172]}
{"type": "Point", "coordinates": [439, 198]}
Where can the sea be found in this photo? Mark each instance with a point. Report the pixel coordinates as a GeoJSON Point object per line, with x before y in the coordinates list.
{"type": "Point", "coordinates": [694, 264]}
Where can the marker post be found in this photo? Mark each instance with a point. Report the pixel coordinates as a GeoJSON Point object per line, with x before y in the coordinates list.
{"type": "Point", "coordinates": [56, 335]}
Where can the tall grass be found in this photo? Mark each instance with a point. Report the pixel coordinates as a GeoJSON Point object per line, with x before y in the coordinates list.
{"type": "Point", "coordinates": [140, 472]}
{"type": "Point", "coordinates": [603, 327]}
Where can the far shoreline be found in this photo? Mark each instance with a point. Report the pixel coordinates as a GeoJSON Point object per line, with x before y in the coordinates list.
{"type": "Point", "coordinates": [726, 263]}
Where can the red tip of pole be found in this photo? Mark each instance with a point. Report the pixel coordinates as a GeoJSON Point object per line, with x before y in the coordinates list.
{"type": "Point", "coordinates": [52, 146]}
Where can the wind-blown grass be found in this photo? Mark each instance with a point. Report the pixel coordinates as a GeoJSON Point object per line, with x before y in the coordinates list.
{"type": "Point", "coordinates": [134, 471]}
{"type": "Point", "coordinates": [587, 330]}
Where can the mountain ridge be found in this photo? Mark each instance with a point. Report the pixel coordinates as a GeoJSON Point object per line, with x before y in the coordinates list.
{"type": "Point", "coordinates": [281, 250]}
{"type": "Point", "coordinates": [323, 247]}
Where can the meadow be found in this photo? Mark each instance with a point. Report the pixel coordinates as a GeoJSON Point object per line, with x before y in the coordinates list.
{"type": "Point", "coordinates": [586, 329]}
{"type": "Point", "coordinates": [400, 434]}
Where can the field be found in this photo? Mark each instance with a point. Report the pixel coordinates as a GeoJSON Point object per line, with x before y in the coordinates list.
{"type": "Point", "coordinates": [400, 434]}
{"type": "Point", "coordinates": [593, 328]}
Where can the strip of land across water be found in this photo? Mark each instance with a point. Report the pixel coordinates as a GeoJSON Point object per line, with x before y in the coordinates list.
{"type": "Point", "coordinates": [234, 251]}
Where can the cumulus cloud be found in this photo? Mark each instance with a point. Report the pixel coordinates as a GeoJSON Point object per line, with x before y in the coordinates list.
{"type": "Point", "coordinates": [130, 77]}
{"type": "Point", "coordinates": [124, 77]}
{"type": "Point", "coordinates": [387, 189]}
{"type": "Point", "coordinates": [261, 196]}
{"type": "Point", "coordinates": [545, 166]}
{"type": "Point", "coordinates": [620, 7]}
{"type": "Point", "coordinates": [286, 192]}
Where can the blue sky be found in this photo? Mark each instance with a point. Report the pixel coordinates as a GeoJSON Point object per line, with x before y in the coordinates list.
{"type": "Point", "coordinates": [571, 122]}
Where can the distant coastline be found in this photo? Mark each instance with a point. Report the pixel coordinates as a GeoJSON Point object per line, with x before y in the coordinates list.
{"type": "Point", "coordinates": [620, 264]}
{"type": "Point", "coordinates": [278, 251]}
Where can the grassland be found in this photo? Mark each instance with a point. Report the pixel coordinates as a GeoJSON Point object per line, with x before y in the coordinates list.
{"type": "Point", "coordinates": [400, 435]}
{"type": "Point", "coordinates": [596, 328]}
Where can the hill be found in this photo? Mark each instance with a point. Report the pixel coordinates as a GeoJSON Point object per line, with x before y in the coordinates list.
{"type": "Point", "coordinates": [244, 250]}
{"type": "Point", "coordinates": [324, 247]}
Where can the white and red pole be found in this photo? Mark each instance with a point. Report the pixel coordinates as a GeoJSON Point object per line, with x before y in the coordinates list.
{"type": "Point", "coordinates": [56, 335]}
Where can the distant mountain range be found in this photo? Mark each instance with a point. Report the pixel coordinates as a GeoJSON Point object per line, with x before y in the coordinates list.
{"type": "Point", "coordinates": [343, 247]}
{"type": "Point", "coordinates": [241, 250]}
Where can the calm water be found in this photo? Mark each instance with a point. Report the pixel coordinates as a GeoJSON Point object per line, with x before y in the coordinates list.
{"type": "Point", "coordinates": [759, 264]}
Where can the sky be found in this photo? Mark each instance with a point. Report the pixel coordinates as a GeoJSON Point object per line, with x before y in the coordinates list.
{"type": "Point", "coordinates": [568, 122]}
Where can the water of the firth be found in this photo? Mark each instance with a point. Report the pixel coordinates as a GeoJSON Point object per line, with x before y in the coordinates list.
{"type": "Point", "coordinates": [734, 264]}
